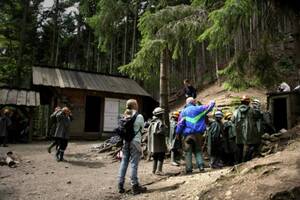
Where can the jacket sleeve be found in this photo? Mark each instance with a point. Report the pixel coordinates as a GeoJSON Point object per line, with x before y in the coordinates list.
{"type": "Point", "coordinates": [180, 126]}
{"type": "Point", "coordinates": [59, 115]}
{"type": "Point", "coordinates": [162, 128]}
{"type": "Point", "coordinates": [8, 122]}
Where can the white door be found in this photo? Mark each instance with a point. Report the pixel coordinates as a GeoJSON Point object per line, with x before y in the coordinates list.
{"type": "Point", "coordinates": [113, 109]}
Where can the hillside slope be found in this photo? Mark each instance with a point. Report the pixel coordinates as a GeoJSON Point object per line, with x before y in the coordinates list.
{"type": "Point", "coordinates": [225, 98]}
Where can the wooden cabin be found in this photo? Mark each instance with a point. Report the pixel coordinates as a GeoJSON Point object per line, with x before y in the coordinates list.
{"type": "Point", "coordinates": [21, 101]}
{"type": "Point", "coordinates": [285, 109]}
{"type": "Point", "coordinates": [96, 100]}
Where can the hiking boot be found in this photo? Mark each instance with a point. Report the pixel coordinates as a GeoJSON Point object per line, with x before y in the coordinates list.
{"type": "Point", "coordinates": [121, 190]}
{"type": "Point", "coordinates": [57, 156]}
{"type": "Point", "coordinates": [49, 149]}
{"type": "Point", "coordinates": [187, 172]}
{"type": "Point", "coordinates": [154, 167]}
{"type": "Point", "coordinates": [137, 189]}
{"type": "Point", "coordinates": [214, 166]}
{"type": "Point", "coordinates": [160, 173]}
{"type": "Point", "coordinates": [201, 169]}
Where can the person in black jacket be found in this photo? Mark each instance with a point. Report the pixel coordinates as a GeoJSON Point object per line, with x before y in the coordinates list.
{"type": "Point", "coordinates": [62, 132]}
{"type": "Point", "coordinates": [5, 122]}
{"type": "Point", "coordinates": [53, 122]}
{"type": "Point", "coordinates": [189, 90]}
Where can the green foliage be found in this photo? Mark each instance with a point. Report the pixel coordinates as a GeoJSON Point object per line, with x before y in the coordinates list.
{"type": "Point", "coordinates": [166, 28]}
{"type": "Point", "coordinates": [7, 70]}
{"type": "Point", "coordinates": [263, 64]}
{"type": "Point", "coordinates": [226, 21]}
{"type": "Point", "coordinates": [106, 22]}
{"type": "Point", "coordinates": [146, 61]}
{"type": "Point", "coordinates": [234, 73]}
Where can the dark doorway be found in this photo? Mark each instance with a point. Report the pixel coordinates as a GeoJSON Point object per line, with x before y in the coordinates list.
{"type": "Point", "coordinates": [92, 113]}
{"type": "Point", "coordinates": [280, 113]}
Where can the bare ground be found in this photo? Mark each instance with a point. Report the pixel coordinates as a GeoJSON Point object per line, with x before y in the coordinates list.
{"type": "Point", "coordinates": [89, 175]}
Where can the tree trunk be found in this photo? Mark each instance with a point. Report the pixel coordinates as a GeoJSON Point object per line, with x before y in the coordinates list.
{"type": "Point", "coordinates": [56, 52]}
{"type": "Point", "coordinates": [125, 42]}
{"type": "Point", "coordinates": [88, 51]}
{"type": "Point", "coordinates": [133, 47]}
{"type": "Point", "coordinates": [20, 63]}
{"type": "Point", "coordinates": [297, 43]}
{"type": "Point", "coordinates": [217, 67]}
{"type": "Point", "coordinates": [111, 55]}
{"type": "Point", "coordinates": [54, 37]}
{"type": "Point", "coordinates": [164, 80]}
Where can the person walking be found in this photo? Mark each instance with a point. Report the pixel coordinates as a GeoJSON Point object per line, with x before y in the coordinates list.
{"type": "Point", "coordinates": [132, 151]}
{"type": "Point", "coordinates": [62, 132]}
{"type": "Point", "coordinates": [157, 140]}
{"type": "Point", "coordinates": [191, 126]}
{"type": "Point", "coordinates": [53, 125]}
{"type": "Point", "coordinates": [5, 122]}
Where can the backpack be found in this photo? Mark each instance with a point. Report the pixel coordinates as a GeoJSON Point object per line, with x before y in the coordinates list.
{"type": "Point", "coordinates": [125, 128]}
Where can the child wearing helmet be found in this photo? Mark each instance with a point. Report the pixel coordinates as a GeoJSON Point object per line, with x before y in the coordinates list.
{"type": "Point", "coordinates": [214, 140]}
{"type": "Point", "coordinates": [229, 135]}
{"type": "Point", "coordinates": [157, 133]}
{"type": "Point", "coordinates": [174, 143]}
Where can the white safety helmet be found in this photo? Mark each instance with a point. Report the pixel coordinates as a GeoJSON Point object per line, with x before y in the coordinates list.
{"type": "Point", "coordinates": [158, 111]}
{"type": "Point", "coordinates": [218, 114]}
{"type": "Point", "coordinates": [256, 104]}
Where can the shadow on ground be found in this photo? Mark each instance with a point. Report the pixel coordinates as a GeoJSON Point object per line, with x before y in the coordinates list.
{"type": "Point", "coordinates": [83, 160]}
{"type": "Point", "coordinates": [166, 188]}
{"type": "Point", "coordinates": [7, 192]}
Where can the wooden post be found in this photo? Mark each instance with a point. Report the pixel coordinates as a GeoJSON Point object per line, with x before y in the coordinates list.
{"type": "Point", "coordinates": [30, 125]}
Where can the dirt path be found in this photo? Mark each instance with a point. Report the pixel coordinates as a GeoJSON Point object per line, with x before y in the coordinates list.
{"type": "Point", "coordinates": [89, 175]}
{"type": "Point", "coordinates": [39, 176]}
{"type": "Point", "coordinates": [85, 175]}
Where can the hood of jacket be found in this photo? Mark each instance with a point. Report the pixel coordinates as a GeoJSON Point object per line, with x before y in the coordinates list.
{"type": "Point", "coordinates": [244, 108]}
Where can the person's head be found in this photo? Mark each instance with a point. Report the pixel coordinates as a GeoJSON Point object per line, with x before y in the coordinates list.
{"type": "Point", "coordinates": [175, 115]}
{"type": "Point", "coordinates": [132, 104]}
{"type": "Point", "coordinates": [245, 100]}
{"type": "Point", "coordinates": [256, 104]}
{"type": "Point", "coordinates": [190, 100]}
{"type": "Point", "coordinates": [66, 110]}
{"type": "Point", "coordinates": [186, 82]}
{"type": "Point", "coordinates": [5, 112]}
{"type": "Point", "coordinates": [128, 113]}
{"type": "Point", "coordinates": [218, 115]}
{"type": "Point", "coordinates": [228, 115]}
{"type": "Point", "coordinates": [158, 112]}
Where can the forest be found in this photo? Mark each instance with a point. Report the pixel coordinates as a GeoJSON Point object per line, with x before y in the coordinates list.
{"type": "Point", "coordinates": [241, 43]}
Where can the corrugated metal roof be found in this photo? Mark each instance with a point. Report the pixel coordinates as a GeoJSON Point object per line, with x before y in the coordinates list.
{"type": "Point", "coordinates": [83, 80]}
{"type": "Point", "coordinates": [19, 97]}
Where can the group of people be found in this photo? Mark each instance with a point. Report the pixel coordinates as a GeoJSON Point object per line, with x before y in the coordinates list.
{"type": "Point", "coordinates": [60, 121]}
{"type": "Point", "coordinates": [229, 138]}
{"type": "Point", "coordinates": [14, 126]}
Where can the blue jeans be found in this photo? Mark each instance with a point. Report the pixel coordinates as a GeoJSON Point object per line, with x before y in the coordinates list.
{"type": "Point", "coordinates": [130, 153]}
{"type": "Point", "coordinates": [192, 146]}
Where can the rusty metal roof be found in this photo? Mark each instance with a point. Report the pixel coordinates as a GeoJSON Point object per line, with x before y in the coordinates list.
{"type": "Point", "coordinates": [19, 97]}
{"type": "Point", "coordinates": [64, 78]}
